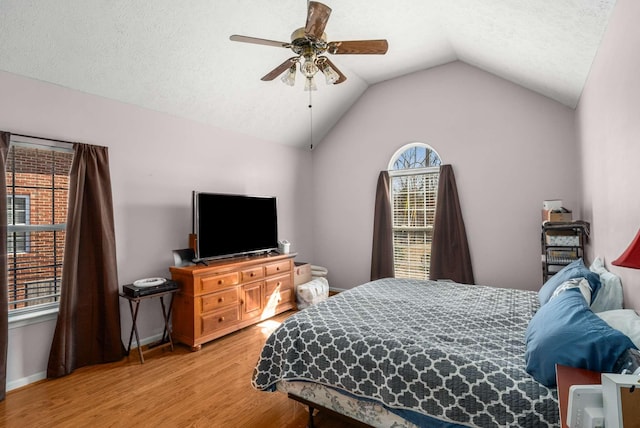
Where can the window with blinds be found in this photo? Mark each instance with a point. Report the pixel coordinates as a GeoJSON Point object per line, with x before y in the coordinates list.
{"type": "Point", "coordinates": [414, 187]}
{"type": "Point", "coordinates": [37, 192]}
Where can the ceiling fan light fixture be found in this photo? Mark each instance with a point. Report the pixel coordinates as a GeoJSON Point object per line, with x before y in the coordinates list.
{"type": "Point", "coordinates": [330, 75]}
{"type": "Point", "coordinates": [309, 67]}
{"type": "Point", "coordinates": [289, 78]}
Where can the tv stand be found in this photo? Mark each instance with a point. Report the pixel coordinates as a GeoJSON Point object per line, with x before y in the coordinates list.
{"type": "Point", "coordinates": [227, 295]}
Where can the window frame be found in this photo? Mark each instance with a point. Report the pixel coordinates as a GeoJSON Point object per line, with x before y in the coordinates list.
{"type": "Point", "coordinates": [42, 312]}
{"type": "Point", "coordinates": [407, 172]}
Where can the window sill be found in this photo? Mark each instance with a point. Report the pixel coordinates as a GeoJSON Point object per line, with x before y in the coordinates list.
{"type": "Point", "coordinates": [23, 320]}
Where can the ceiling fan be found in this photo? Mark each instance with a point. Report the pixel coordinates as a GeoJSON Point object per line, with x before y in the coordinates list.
{"type": "Point", "coordinates": [309, 43]}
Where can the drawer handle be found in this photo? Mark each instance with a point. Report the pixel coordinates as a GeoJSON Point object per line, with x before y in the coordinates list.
{"type": "Point", "coordinates": [278, 284]}
{"type": "Point", "coordinates": [221, 299]}
{"type": "Point", "coordinates": [252, 274]}
{"type": "Point", "coordinates": [221, 319]}
{"type": "Point", "coordinates": [278, 268]}
{"type": "Point", "coordinates": [220, 281]}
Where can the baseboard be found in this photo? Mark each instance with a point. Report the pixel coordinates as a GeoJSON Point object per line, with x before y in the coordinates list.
{"type": "Point", "coordinates": [146, 341]}
{"type": "Point", "coordinates": [19, 383]}
{"type": "Point", "coordinates": [36, 377]}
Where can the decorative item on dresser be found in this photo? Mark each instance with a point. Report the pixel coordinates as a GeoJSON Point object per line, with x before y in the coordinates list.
{"type": "Point", "coordinates": [230, 294]}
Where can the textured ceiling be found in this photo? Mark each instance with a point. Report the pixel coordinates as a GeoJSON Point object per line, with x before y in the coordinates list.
{"type": "Point", "coordinates": [176, 56]}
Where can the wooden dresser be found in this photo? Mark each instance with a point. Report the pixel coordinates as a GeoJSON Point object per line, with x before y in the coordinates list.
{"type": "Point", "coordinates": [228, 295]}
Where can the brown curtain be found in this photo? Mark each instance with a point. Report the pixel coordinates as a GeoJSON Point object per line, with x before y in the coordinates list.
{"type": "Point", "coordinates": [450, 258]}
{"type": "Point", "coordinates": [4, 295]}
{"type": "Point", "coordinates": [382, 252]}
{"type": "Point", "coordinates": [88, 327]}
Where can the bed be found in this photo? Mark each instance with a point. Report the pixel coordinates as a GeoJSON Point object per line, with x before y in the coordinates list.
{"type": "Point", "coordinates": [406, 353]}
{"type": "Point", "coordinates": [428, 352]}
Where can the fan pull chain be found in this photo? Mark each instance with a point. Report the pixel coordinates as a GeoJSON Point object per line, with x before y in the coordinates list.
{"type": "Point", "coordinates": [310, 123]}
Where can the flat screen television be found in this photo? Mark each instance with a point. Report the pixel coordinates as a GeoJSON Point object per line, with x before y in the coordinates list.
{"type": "Point", "coordinates": [229, 225]}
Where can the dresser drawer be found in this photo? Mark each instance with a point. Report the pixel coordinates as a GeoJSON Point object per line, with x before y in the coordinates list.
{"type": "Point", "coordinates": [253, 273]}
{"type": "Point", "coordinates": [279, 282]}
{"type": "Point", "coordinates": [219, 320]}
{"type": "Point", "coordinates": [219, 282]}
{"type": "Point", "coordinates": [276, 268]}
{"type": "Point", "coordinates": [280, 297]}
{"type": "Point", "coordinates": [214, 301]}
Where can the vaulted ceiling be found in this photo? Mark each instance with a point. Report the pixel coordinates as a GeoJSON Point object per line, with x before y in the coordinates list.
{"type": "Point", "coordinates": [176, 56]}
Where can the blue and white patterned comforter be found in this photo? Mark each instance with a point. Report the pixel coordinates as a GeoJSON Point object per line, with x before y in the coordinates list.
{"type": "Point", "coordinates": [451, 351]}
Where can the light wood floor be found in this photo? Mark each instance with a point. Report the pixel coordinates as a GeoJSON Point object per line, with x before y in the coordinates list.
{"type": "Point", "coordinates": [209, 388]}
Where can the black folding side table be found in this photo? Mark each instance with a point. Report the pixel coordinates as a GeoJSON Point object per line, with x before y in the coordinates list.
{"type": "Point", "coordinates": [134, 306]}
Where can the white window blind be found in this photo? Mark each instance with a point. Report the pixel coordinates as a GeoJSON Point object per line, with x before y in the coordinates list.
{"type": "Point", "coordinates": [414, 205]}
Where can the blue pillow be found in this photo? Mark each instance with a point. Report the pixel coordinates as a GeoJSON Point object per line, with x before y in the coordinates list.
{"type": "Point", "coordinates": [575, 269]}
{"type": "Point", "coordinates": [565, 331]}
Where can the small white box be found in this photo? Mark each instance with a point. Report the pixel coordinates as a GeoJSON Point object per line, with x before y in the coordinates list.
{"type": "Point", "coordinates": [283, 247]}
{"type": "Point", "coordinates": [552, 204]}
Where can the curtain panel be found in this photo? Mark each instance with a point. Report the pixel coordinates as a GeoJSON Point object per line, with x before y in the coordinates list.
{"type": "Point", "coordinates": [450, 257]}
{"type": "Point", "coordinates": [382, 249]}
{"type": "Point", "coordinates": [4, 294]}
{"type": "Point", "coordinates": [88, 327]}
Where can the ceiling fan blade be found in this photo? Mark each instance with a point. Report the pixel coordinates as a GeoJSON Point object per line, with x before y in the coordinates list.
{"type": "Point", "coordinates": [342, 77]}
{"type": "Point", "coordinates": [368, 47]}
{"type": "Point", "coordinates": [317, 18]}
{"type": "Point", "coordinates": [279, 69]}
{"type": "Point", "coordinates": [257, 41]}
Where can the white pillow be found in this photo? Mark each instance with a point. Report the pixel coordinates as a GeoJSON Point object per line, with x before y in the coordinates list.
{"type": "Point", "coordinates": [624, 320]}
{"type": "Point", "coordinates": [597, 266]}
{"type": "Point", "coordinates": [609, 296]}
{"type": "Point", "coordinates": [581, 283]}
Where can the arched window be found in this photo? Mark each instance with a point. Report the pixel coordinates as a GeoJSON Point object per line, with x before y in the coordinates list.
{"type": "Point", "coordinates": [414, 171]}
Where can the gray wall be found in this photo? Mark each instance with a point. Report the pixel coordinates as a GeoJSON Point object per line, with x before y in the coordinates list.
{"type": "Point", "coordinates": [156, 161]}
{"type": "Point", "coordinates": [510, 149]}
{"type": "Point", "coordinates": [608, 118]}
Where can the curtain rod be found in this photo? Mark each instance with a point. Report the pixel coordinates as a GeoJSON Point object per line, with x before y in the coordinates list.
{"type": "Point", "coordinates": [54, 140]}
{"type": "Point", "coordinates": [43, 138]}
